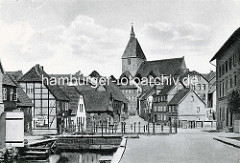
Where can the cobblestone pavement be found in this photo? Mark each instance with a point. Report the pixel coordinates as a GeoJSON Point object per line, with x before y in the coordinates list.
{"type": "Point", "coordinates": [188, 146]}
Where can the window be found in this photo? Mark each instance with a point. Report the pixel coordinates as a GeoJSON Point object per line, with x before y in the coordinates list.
{"type": "Point", "coordinates": [203, 86]}
{"type": "Point", "coordinates": [199, 87]}
{"type": "Point", "coordinates": [15, 96]}
{"type": "Point", "coordinates": [230, 63]}
{"type": "Point", "coordinates": [193, 87]}
{"type": "Point", "coordinates": [223, 69]}
{"type": "Point", "coordinates": [226, 66]}
{"type": "Point", "coordinates": [129, 61]}
{"type": "Point", "coordinates": [235, 80]}
{"type": "Point", "coordinates": [81, 107]}
{"type": "Point", "coordinates": [223, 91]}
{"type": "Point", "coordinates": [220, 90]}
{"type": "Point", "coordinates": [219, 71]}
{"type": "Point", "coordinates": [192, 98]}
{"type": "Point", "coordinates": [234, 59]}
{"type": "Point", "coordinates": [29, 89]}
{"type": "Point", "coordinates": [4, 94]}
{"type": "Point", "coordinates": [198, 109]}
{"type": "Point", "coordinates": [11, 95]}
{"type": "Point", "coordinates": [231, 83]}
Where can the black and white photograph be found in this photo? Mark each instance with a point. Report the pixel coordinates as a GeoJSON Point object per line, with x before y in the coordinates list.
{"type": "Point", "coordinates": [120, 81]}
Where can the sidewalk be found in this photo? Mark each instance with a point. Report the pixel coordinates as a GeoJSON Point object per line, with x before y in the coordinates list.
{"type": "Point", "coordinates": [228, 138]}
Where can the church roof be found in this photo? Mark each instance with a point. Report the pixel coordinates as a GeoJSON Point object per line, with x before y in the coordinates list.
{"type": "Point", "coordinates": [174, 66]}
{"type": "Point", "coordinates": [133, 49]}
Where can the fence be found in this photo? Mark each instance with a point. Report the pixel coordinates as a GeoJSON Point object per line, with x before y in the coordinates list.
{"type": "Point", "coordinates": [123, 128]}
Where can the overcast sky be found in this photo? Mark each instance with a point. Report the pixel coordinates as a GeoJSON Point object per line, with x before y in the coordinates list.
{"type": "Point", "coordinates": [68, 35]}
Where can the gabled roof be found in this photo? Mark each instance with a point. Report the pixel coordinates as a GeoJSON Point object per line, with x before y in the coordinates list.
{"type": "Point", "coordinates": [209, 76]}
{"type": "Point", "coordinates": [74, 95]}
{"type": "Point", "coordinates": [115, 92]}
{"type": "Point", "coordinates": [166, 88]}
{"type": "Point", "coordinates": [35, 74]}
{"type": "Point", "coordinates": [133, 49]}
{"type": "Point", "coordinates": [234, 38]}
{"type": "Point", "coordinates": [173, 66]}
{"type": "Point", "coordinates": [16, 74]}
{"type": "Point", "coordinates": [8, 81]}
{"type": "Point", "coordinates": [179, 96]}
{"type": "Point", "coordinates": [147, 93]}
{"type": "Point", "coordinates": [96, 101]}
{"type": "Point", "coordinates": [95, 74]}
{"type": "Point", "coordinates": [191, 73]}
{"type": "Point", "coordinates": [23, 99]}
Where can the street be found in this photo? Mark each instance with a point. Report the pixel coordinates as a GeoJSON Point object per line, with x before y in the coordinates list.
{"type": "Point", "coordinates": [188, 146]}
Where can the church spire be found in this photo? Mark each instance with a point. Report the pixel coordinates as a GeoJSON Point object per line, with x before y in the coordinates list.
{"type": "Point", "coordinates": [132, 35]}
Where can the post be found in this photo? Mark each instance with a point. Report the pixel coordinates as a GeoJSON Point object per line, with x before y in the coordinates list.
{"type": "Point", "coordinates": [170, 128]}
{"type": "Point", "coordinates": [144, 128]}
{"type": "Point", "coordinates": [153, 127]}
{"type": "Point", "coordinates": [124, 127]}
{"type": "Point", "coordinates": [94, 127]}
{"type": "Point", "coordinates": [175, 127]}
{"type": "Point", "coordinates": [139, 127]}
{"type": "Point", "coordinates": [102, 127]}
{"type": "Point", "coordinates": [82, 128]}
{"type": "Point", "coordinates": [148, 128]}
{"type": "Point", "coordinates": [134, 126]}
{"type": "Point", "coordinates": [106, 128]}
{"type": "Point", "coordinates": [162, 127]}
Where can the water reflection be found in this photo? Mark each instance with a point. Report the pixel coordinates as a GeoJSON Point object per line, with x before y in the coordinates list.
{"type": "Point", "coordinates": [71, 157]}
{"type": "Point", "coordinates": [85, 157]}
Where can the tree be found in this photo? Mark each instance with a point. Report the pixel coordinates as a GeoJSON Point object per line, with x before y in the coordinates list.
{"type": "Point", "coordinates": [234, 99]}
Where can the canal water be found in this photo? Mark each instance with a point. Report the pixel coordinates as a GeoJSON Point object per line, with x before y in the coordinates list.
{"type": "Point", "coordinates": [72, 157]}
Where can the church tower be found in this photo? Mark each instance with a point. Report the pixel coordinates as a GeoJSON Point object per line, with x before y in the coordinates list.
{"type": "Point", "coordinates": [133, 55]}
